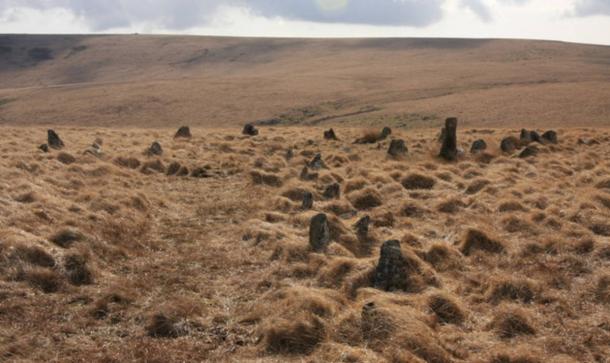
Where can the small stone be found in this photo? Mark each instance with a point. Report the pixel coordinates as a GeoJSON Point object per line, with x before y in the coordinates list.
{"type": "Point", "coordinates": [173, 168]}
{"type": "Point", "coordinates": [478, 146]}
{"type": "Point", "coordinates": [550, 137]}
{"type": "Point", "coordinates": [54, 141]}
{"type": "Point", "coordinates": [319, 233]}
{"type": "Point", "coordinates": [397, 148]}
{"type": "Point", "coordinates": [332, 191]}
{"type": "Point", "coordinates": [509, 144]}
{"type": "Point", "coordinates": [362, 227]}
{"type": "Point", "coordinates": [317, 162]}
{"type": "Point", "coordinates": [526, 137]}
{"type": "Point", "coordinates": [528, 151]}
{"type": "Point", "coordinates": [449, 150]}
{"type": "Point", "coordinates": [385, 133]}
{"type": "Point", "coordinates": [200, 173]}
{"type": "Point", "coordinates": [250, 130]}
{"type": "Point", "coordinates": [44, 148]}
{"type": "Point", "coordinates": [155, 149]}
{"type": "Point", "coordinates": [588, 142]}
{"type": "Point", "coordinates": [183, 133]}
{"type": "Point", "coordinates": [307, 201]}
{"type": "Point", "coordinates": [330, 135]}
{"type": "Point", "coordinates": [289, 154]}
{"type": "Point", "coordinates": [390, 271]}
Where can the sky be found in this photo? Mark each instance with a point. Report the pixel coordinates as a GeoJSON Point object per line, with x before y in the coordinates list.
{"type": "Point", "coordinates": [583, 21]}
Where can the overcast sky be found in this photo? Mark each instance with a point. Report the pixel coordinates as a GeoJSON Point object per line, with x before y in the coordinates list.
{"type": "Point", "coordinates": [586, 21]}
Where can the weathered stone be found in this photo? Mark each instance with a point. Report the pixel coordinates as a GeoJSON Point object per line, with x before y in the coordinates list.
{"type": "Point", "coordinates": [478, 146]}
{"type": "Point", "coordinates": [525, 138]}
{"type": "Point", "coordinates": [509, 144]}
{"type": "Point", "coordinates": [155, 149]}
{"type": "Point", "coordinates": [397, 148]}
{"type": "Point", "coordinates": [307, 201]}
{"type": "Point", "coordinates": [385, 133]}
{"type": "Point", "coordinates": [44, 148]}
{"type": "Point", "coordinates": [390, 273]}
{"type": "Point", "coordinates": [54, 141]}
{"type": "Point", "coordinates": [184, 132]}
{"type": "Point", "coordinates": [319, 233]}
{"type": "Point", "coordinates": [332, 191]}
{"type": "Point", "coordinates": [201, 173]}
{"type": "Point", "coordinates": [250, 130]}
{"type": "Point", "coordinates": [173, 168]}
{"type": "Point", "coordinates": [535, 136]}
{"type": "Point", "coordinates": [528, 151]}
{"type": "Point", "coordinates": [362, 227]}
{"type": "Point", "coordinates": [330, 135]}
{"type": "Point", "coordinates": [550, 137]}
{"type": "Point", "coordinates": [317, 162]}
{"type": "Point", "coordinates": [449, 150]}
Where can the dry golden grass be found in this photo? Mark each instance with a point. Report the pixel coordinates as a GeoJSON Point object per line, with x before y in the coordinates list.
{"type": "Point", "coordinates": [111, 259]}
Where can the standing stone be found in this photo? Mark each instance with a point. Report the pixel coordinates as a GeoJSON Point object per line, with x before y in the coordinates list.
{"type": "Point", "coordinates": [478, 146]}
{"type": "Point", "coordinates": [509, 144]}
{"type": "Point", "coordinates": [317, 162]}
{"type": "Point", "coordinates": [385, 133]}
{"type": "Point", "coordinates": [289, 154]}
{"type": "Point", "coordinates": [155, 149]}
{"type": "Point", "coordinates": [528, 151]}
{"type": "Point", "coordinates": [332, 191]}
{"type": "Point", "coordinates": [183, 133]}
{"type": "Point", "coordinates": [307, 201]}
{"type": "Point", "coordinates": [525, 138]}
{"type": "Point", "coordinates": [397, 148]}
{"type": "Point", "coordinates": [550, 137]}
{"type": "Point", "coordinates": [54, 141]}
{"type": "Point", "coordinates": [319, 233]}
{"type": "Point", "coordinates": [390, 273]}
{"type": "Point", "coordinates": [362, 227]}
{"type": "Point", "coordinates": [535, 137]}
{"type": "Point", "coordinates": [449, 150]}
{"type": "Point", "coordinates": [250, 130]}
{"type": "Point", "coordinates": [330, 135]}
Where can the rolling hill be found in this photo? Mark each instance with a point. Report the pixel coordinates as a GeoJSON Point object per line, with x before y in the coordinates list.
{"type": "Point", "coordinates": [166, 81]}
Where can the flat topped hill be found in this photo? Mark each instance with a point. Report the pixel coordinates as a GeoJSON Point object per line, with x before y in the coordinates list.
{"type": "Point", "coordinates": [155, 81]}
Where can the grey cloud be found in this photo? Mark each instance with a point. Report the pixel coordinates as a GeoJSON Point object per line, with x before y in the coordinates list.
{"type": "Point", "coordinates": [377, 12]}
{"type": "Point", "coordinates": [182, 14]}
{"type": "Point", "coordinates": [591, 7]}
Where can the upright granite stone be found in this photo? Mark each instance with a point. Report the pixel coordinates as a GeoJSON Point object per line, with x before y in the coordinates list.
{"type": "Point", "coordinates": [362, 227]}
{"type": "Point", "coordinates": [183, 133]}
{"type": "Point", "coordinates": [54, 141]}
{"type": "Point", "coordinates": [319, 233]}
{"type": "Point", "coordinates": [390, 273]}
{"type": "Point", "coordinates": [478, 146]}
{"type": "Point", "coordinates": [316, 162]}
{"type": "Point", "coordinates": [330, 135]}
{"type": "Point", "coordinates": [509, 144]}
{"type": "Point", "coordinates": [155, 149]}
{"type": "Point", "coordinates": [307, 201]}
{"type": "Point", "coordinates": [250, 130]}
{"type": "Point", "coordinates": [397, 148]}
{"type": "Point", "coordinates": [449, 150]}
{"type": "Point", "coordinates": [385, 133]}
{"type": "Point", "coordinates": [550, 137]}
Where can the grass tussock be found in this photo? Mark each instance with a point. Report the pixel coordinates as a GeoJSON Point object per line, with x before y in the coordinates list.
{"type": "Point", "coordinates": [512, 322]}
{"type": "Point", "coordinates": [418, 181]}
{"type": "Point", "coordinates": [476, 240]}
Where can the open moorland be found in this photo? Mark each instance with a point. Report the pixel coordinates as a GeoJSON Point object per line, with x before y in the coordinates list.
{"type": "Point", "coordinates": [121, 242]}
